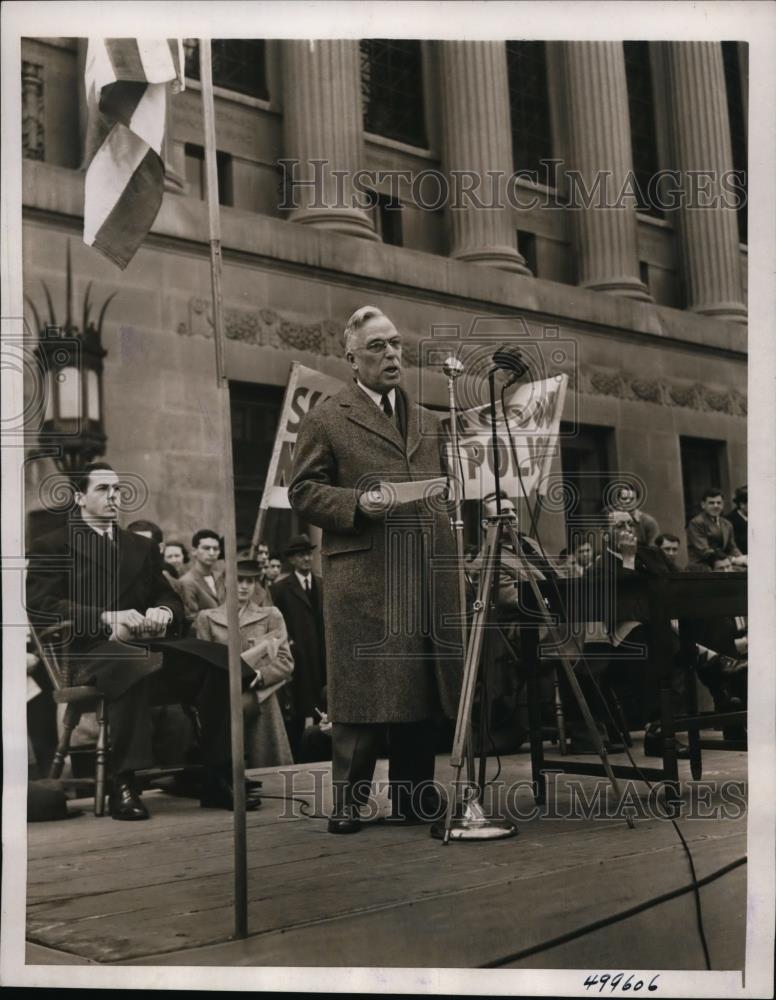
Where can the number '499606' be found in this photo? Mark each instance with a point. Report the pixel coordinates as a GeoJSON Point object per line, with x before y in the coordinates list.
{"type": "Point", "coordinates": [617, 981]}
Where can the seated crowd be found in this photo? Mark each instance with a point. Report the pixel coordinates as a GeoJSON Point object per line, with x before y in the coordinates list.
{"type": "Point", "coordinates": [148, 626]}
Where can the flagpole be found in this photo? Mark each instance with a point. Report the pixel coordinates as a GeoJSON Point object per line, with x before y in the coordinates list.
{"type": "Point", "coordinates": [227, 479]}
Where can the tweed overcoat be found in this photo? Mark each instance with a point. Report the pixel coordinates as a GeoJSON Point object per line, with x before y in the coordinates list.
{"type": "Point", "coordinates": [393, 644]}
{"type": "Point", "coordinates": [266, 742]}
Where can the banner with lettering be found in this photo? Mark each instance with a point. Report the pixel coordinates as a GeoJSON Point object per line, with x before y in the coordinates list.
{"type": "Point", "coordinates": [534, 412]}
{"type": "Point", "coordinates": [306, 387]}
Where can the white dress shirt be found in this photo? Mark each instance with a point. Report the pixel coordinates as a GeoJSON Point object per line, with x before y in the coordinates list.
{"type": "Point", "coordinates": [377, 397]}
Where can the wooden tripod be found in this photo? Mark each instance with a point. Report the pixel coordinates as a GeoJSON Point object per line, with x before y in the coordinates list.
{"type": "Point", "coordinates": [497, 526]}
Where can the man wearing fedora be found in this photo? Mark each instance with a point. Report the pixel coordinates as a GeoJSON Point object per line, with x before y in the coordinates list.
{"type": "Point", "coordinates": [393, 641]}
{"type": "Point", "coordinates": [299, 598]}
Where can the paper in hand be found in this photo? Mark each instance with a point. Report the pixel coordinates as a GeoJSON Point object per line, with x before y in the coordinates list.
{"type": "Point", "coordinates": [420, 489]}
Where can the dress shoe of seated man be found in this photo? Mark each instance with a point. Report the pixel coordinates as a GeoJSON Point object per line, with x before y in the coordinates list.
{"type": "Point", "coordinates": [108, 583]}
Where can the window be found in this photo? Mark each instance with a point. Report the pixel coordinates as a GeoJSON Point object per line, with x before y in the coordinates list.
{"type": "Point", "coordinates": [239, 64]}
{"type": "Point", "coordinates": [641, 106]}
{"type": "Point", "coordinates": [255, 413]}
{"type": "Point", "coordinates": [586, 459]}
{"type": "Point", "coordinates": [737, 119]}
{"type": "Point", "coordinates": [529, 105]}
{"type": "Point", "coordinates": [195, 174]}
{"type": "Point", "coordinates": [388, 218]}
{"type": "Point", "coordinates": [526, 247]}
{"type": "Point", "coordinates": [701, 468]}
{"type": "Point", "coordinates": [392, 90]}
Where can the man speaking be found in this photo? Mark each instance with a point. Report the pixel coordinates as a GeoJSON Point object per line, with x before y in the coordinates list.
{"type": "Point", "coordinates": [390, 600]}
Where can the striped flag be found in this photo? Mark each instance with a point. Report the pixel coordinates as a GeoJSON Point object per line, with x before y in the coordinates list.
{"type": "Point", "coordinates": [126, 93]}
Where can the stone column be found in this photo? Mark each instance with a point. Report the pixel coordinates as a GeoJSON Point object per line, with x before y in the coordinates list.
{"type": "Point", "coordinates": [476, 142]}
{"type": "Point", "coordinates": [600, 159]}
{"type": "Point", "coordinates": [83, 110]}
{"type": "Point", "coordinates": [322, 121]}
{"type": "Point", "coordinates": [743, 71]}
{"type": "Point", "coordinates": [708, 231]}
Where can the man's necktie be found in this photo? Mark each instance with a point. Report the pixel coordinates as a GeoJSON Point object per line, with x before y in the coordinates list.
{"type": "Point", "coordinates": [387, 408]}
{"type": "Point", "coordinates": [307, 584]}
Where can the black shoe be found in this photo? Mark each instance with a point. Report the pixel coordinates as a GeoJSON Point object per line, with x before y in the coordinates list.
{"type": "Point", "coordinates": [125, 803]}
{"type": "Point", "coordinates": [344, 822]}
{"type": "Point", "coordinates": [653, 744]}
{"type": "Point", "coordinates": [217, 794]}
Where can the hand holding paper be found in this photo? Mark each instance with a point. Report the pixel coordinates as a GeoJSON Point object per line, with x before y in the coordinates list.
{"type": "Point", "coordinates": [377, 502]}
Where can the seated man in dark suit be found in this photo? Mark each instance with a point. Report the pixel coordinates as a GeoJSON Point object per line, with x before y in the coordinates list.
{"type": "Point", "coordinates": [109, 584]}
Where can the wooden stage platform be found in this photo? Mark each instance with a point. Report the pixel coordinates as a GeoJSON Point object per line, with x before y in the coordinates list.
{"type": "Point", "coordinates": [160, 892]}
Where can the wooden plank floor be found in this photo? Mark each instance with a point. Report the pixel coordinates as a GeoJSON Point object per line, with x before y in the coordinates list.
{"type": "Point", "coordinates": [161, 892]}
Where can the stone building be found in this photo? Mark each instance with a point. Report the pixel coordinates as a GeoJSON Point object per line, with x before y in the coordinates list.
{"type": "Point", "coordinates": [478, 201]}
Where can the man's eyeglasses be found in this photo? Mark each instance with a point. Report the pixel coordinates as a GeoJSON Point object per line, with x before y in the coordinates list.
{"type": "Point", "coordinates": [380, 346]}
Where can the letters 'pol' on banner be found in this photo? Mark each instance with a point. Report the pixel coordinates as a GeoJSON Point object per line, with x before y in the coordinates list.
{"type": "Point", "coordinates": [534, 412]}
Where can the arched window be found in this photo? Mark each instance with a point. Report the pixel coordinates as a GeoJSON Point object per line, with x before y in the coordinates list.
{"type": "Point", "coordinates": [737, 119]}
{"type": "Point", "coordinates": [529, 106]}
{"type": "Point", "coordinates": [392, 90]}
{"type": "Point", "coordinates": [239, 64]}
{"type": "Point", "coordinates": [641, 106]}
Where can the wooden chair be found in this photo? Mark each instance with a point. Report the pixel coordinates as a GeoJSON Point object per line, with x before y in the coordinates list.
{"type": "Point", "coordinates": [82, 698]}
{"type": "Point", "coordinates": [77, 699]}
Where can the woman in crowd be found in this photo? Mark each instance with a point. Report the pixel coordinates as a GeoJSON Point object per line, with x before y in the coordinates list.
{"type": "Point", "coordinates": [265, 648]}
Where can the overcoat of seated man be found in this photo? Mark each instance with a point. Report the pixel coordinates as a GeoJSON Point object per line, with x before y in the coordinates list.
{"type": "Point", "coordinates": [108, 583]}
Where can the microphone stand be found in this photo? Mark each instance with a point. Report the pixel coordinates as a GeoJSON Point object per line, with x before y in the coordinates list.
{"type": "Point", "coordinates": [474, 824]}
{"type": "Point", "coordinates": [453, 369]}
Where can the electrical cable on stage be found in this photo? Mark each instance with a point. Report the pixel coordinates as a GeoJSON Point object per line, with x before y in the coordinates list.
{"type": "Point", "coordinates": [582, 660]}
{"type": "Point", "coordinates": [615, 918]}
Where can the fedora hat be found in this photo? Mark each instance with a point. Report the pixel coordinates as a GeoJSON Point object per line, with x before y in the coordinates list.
{"type": "Point", "coordinates": [46, 801]}
{"type": "Point", "coordinates": [299, 543]}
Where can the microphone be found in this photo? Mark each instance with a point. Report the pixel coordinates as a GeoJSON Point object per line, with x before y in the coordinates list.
{"type": "Point", "coordinates": [510, 359]}
{"type": "Point", "coordinates": [452, 367]}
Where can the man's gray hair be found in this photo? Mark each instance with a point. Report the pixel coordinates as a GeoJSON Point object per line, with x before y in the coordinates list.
{"type": "Point", "coordinates": [357, 321]}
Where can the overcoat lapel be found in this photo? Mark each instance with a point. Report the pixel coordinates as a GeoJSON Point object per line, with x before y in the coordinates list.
{"type": "Point", "coordinates": [413, 417]}
{"type": "Point", "coordinates": [298, 591]}
{"type": "Point", "coordinates": [361, 410]}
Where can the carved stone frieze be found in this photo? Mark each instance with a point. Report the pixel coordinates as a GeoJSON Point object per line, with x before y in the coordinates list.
{"type": "Point", "coordinates": [267, 328]}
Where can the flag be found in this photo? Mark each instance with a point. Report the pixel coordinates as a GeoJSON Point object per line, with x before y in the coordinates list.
{"type": "Point", "coordinates": [126, 94]}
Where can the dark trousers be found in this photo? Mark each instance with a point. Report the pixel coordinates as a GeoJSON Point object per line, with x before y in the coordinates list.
{"type": "Point", "coordinates": [355, 749]}
{"type": "Point", "coordinates": [190, 682]}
